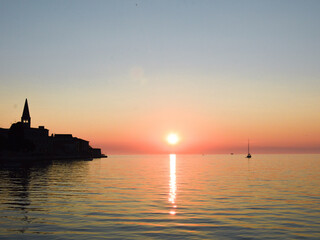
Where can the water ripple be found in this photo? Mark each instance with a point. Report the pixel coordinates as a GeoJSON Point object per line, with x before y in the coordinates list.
{"type": "Point", "coordinates": [158, 197]}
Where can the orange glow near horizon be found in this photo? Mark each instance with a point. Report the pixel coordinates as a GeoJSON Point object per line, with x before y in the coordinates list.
{"type": "Point", "coordinates": [128, 133]}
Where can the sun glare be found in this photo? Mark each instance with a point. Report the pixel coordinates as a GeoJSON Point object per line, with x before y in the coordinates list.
{"type": "Point", "coordinates": [173, 138]}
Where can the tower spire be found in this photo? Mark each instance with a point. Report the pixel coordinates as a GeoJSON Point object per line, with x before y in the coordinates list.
{"type": "Point", "coordinates": [26, 119]}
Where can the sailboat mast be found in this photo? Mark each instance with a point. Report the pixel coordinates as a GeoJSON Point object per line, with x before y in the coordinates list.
{"type": "Point", "coordinates": [249, 155]}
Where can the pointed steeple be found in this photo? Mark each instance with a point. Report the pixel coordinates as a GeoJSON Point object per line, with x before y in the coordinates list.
{"type": "Point", "coordinates": [26, 119]}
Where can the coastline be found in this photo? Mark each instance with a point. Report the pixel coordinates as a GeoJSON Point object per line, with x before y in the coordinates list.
{"type": "Point", "coordinates": [41, 158]}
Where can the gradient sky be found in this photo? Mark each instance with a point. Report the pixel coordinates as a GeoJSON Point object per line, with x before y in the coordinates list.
{"type": "Point", "coordinates": [124, 74]}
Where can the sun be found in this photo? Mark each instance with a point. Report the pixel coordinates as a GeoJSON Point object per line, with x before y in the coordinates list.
{"type": "Point", "coordinates": [172, 138]}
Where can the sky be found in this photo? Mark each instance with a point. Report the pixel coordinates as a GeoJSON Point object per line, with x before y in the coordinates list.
{"type": "Point", "coordinates": [125, 74]}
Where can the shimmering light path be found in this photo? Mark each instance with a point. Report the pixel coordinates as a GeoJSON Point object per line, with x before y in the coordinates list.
{"type": "Point", "coordinates": [172, 184]}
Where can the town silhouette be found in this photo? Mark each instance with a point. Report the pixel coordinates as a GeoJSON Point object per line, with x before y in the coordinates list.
{"type": "Point", "coordinates": [23, 142]}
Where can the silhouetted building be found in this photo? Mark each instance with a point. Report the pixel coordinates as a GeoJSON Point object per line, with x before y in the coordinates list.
{"type": "Point", "coordinates": [25, 118]}
{"type": "Point", "coordinates": [21, 140]}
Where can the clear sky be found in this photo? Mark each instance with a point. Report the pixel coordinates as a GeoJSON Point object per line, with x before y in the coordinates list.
{"type": "Point", "coordinates": [124, 74]}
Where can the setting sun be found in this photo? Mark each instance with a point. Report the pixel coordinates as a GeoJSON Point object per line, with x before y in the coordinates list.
{"type": "Point", "coordinates": [173, 138]}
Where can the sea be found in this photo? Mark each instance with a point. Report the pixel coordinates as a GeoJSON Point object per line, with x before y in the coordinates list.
{"type": "Point", "coordinates": [163, 197]}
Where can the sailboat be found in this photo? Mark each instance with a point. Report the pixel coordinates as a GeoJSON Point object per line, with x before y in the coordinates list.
{"type": "Point", "coordinates": [249, 155]}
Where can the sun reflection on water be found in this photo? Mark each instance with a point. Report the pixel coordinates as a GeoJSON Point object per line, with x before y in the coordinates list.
{"type": "Point", "coordinates": [172, 184]}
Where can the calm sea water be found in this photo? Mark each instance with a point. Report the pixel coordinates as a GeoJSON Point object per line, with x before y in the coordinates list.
{"type": "Point", "coordinates": [163, 197]}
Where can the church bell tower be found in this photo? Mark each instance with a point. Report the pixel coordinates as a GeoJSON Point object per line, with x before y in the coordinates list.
{"type": "Point", "coordinates": [26, 119]}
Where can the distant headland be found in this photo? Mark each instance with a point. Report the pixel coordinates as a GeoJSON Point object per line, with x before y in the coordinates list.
{"type": "Point", "coordinates": [22, 142]}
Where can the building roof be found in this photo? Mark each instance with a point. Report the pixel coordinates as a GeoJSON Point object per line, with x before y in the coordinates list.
{"type": "Point", "coordinates": [63, 136]}
{"type": "Point", "coordinates": [26, 114]}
